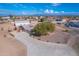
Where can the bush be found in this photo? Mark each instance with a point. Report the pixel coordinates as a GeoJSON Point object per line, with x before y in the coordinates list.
{"type": "Point", "coordinates": [43, 28]}
{"type": "Point", "coordinates": [65, 30]}
{"type": "Point", "coordinates": [42, 20]}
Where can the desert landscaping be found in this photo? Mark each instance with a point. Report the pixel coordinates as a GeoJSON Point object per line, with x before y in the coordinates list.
{"type": "Point", "coordinates": [24, 38]}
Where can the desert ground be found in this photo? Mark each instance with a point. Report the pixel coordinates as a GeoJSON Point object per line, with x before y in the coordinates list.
{"type": "Point", "coordinates": [9, 46]}
{"type": "Point", "coordinates": [58, 36]}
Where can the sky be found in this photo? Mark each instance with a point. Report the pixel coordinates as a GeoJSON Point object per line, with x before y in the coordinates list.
{"type": "Point", "coordinates": [39, 8]}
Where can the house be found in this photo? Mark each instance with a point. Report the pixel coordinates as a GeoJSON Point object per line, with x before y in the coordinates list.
{"type": "Point", "coordinates": [5, 18]}
{"type": "Point", "coordinates": [21, 23]}
{"type": "Point", "coordinates": [59, 21]}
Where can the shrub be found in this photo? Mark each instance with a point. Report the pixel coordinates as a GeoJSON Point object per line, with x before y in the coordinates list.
{"type": "Point", "coordinates": [42, 20]}
{"type": "Point", "coordinates": [50, 27]}
{"type": "Point", "coordinates": [65, 30]}
{"type": "Point", "coordinates": [43, 28]}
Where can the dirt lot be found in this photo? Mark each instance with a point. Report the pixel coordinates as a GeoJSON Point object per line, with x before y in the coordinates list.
{"type": "Point", "coordinates": [9, 46]}
{"type": "Point", "coordinates": [58, 36]}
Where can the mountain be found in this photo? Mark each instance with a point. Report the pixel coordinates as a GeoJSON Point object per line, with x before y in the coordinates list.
{"type": "Point", "coordinates": [44, 14]}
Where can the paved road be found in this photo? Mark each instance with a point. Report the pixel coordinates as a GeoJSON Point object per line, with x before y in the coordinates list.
{"type": "Point", "coordinates": [40, 48]}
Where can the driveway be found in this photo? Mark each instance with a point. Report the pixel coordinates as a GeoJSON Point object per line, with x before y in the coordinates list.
{"type": "Point", "coordinates": [40, 48]}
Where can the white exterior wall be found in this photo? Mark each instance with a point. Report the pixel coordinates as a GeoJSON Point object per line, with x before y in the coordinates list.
{"type": "Point", "coordinates": [5, 17]}
{"type": "Point", "coordinates": [21, 23]}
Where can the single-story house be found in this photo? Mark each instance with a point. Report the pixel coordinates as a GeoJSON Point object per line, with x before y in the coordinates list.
{"type": "Point", "coordinates": [59, 21]}
{"type": "Point", "coordinates": [5, 18]}
{"type": "Point", "coordinates": [21, 23]}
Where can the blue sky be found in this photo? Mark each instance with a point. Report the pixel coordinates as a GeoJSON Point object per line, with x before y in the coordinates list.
{"type": "Point", "coordinates": [38, 8]}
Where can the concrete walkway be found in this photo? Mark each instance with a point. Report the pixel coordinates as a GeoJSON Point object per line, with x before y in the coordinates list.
{"type": "Point", "coordinates": [40, 48]}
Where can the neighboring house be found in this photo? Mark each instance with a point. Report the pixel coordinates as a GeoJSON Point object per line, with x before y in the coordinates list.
{"type": "Point", "coordinates": [74, 20]}
{"type": "Point", "coordinates": [59, 21]}
{"type": "Point", "coordinates": [21, 23]}
{"type": "Point", "coordinates": [5, 18]}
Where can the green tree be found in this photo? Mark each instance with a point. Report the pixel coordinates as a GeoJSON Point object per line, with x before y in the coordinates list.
{"type": "Point", "coordinates": [13, 18]}
{"type": "Point", "coordinates": [43, 28]}
{"type": "Point", "coordinates": [41, 20]}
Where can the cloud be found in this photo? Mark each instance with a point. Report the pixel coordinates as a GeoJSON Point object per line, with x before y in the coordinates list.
{"type": "Point", "coordinates": [49, 11]}
{"type": "Point", "coordinates": [46, 11]}
{"type": "Point", "coordinates": [24, 13]}
{"type": "Point", "coordinates": [56, 12]}
{"type": "Point", "coordinates": [53, 11]}
{"type": "Point", "coordinates": [62, 11]}
{"type": "Point", "coordinates": [56, 4]}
